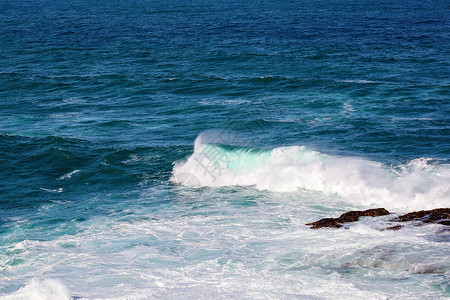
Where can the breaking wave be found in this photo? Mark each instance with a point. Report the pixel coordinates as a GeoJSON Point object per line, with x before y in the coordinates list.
{"type": "Point", "coordinates": [419, 184]}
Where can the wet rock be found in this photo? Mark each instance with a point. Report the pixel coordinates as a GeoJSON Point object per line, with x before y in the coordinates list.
{"type": "Point", "coordinates": [430, 270]}
{"type": "Point", "coordinates": [441, 236]}
{"type": "Point", "coordinates": [396, 227]}
{"type": "Point", "coordinates": [438, 216]}
{"type": "Point", "coordinates": [351, 216]}
{"type": "Point", "coordinates": [327, 222]}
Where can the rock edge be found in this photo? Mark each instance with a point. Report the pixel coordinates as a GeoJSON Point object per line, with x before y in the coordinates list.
{"type": "Point", "coordinates": [350, 216]}
{"type": "Point", "coordinates": [437, 216]}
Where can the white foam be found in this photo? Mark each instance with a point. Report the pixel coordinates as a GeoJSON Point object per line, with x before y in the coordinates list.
{"type": "Point", "coordinates": [221, 251]}
{"type": "Point", "coordinates": [362, 81]}
{"type": "Point", "coordinates": [229, 102]}
{"type": "Point", "coordinates": [68, 175]}
{"type": "Point", "coordinates": [58, 190]}
{"type": "Point", "coordinates": [46, 289]}
{"type": "Point", "coordinates": [419, 184]}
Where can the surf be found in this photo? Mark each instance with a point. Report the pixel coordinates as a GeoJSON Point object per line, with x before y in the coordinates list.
{"type": "Point", "coordinates": [418, 184]}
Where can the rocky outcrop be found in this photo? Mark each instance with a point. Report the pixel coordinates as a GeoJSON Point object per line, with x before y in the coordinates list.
{"type": "Point", "coordinates": [328, 222]}
{"type": "Point", "coordinates": [438, 216]}
{"type": "Point", "coordinates": [351, 216]}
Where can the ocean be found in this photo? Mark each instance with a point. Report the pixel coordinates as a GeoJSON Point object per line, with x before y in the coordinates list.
{"type": "Point", "coordinates": [153, 150]}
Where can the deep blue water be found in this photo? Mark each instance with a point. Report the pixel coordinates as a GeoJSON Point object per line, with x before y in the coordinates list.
{"type": "Point", "coordinates": [99, 99]}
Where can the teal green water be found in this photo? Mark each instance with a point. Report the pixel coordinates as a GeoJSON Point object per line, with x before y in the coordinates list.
{"type": "Point", "coordinates": [234, 158]}
{"type": "Point", "coordinates": [99, 100]}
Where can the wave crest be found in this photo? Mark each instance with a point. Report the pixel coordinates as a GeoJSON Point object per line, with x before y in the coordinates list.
{"type": "Point", "coordinates": [419, 184]}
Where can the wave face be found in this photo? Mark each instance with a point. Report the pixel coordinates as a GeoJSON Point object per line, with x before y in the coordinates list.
{"type": "Point", "coordinates": [420, 184]}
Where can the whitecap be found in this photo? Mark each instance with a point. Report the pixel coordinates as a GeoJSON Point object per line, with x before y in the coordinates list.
{"type": "Point", "coordinates": [418, 184]}
{"type": "Point", "coordinates": [68, 175]}
{"type": "Point", "coordinates": [58, 190]}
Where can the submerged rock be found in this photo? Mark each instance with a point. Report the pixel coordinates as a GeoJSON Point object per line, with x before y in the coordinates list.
{"type": "Point", "coordinates": [351, 216]}
{"type": "Point", "coordinates": [438, 216]}
{"type": "Point", "coordinates": [395, 227]}
{"type": "Point", "coordinates": [389, 257]}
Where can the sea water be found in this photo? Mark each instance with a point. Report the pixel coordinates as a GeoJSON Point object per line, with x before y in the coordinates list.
{"type": "Point", "coordinates": [177, 150]}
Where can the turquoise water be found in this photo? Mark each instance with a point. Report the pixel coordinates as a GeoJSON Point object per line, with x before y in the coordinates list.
{"type": "Point", "coordinates": [176, 150]}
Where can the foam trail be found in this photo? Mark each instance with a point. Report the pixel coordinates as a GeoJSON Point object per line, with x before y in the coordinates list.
{"type": "Point", "coordinates": [420, 184]}
{"type": "Point", "coordinates": [68, 175]}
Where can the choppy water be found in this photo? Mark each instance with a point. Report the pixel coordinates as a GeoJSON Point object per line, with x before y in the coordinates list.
{"type": "Point", "coordinates": [298, 110]}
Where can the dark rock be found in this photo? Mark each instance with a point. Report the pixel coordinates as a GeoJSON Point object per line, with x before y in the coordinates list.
{"type": "Point", "coordinates": [431, 270]}
{"type": "Point", "coordinates": [438, 216]}
{"type": "Point", "coordinates": [396, 227]}
{"type": "Point", "coordinates": [351, 216]}
{"type": "Point", "coordinates": [328, 222]}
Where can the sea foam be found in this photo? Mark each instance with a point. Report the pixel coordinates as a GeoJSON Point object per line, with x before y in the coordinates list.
{"type": "Point", "coordinates": [46, 289]}
{"type": "Point", "coordinates": [419, 184]}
